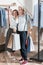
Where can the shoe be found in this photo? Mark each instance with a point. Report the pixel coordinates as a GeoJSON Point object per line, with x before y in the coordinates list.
{"type": "Point", "coordinates": [24, 63]}
{"type": "Point", "coordinates": [21, 60]}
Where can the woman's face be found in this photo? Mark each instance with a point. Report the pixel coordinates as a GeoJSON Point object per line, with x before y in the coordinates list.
{"type": "Point", "coordinates": [20, 11]}
{"type": "Point", "coordinates": [15, 13]}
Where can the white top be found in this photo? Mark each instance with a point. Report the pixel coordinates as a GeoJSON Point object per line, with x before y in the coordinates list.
{"type": "Point", "coordinates": [24, 22]}
{"type": "Point", "coordinates": [13, 22]}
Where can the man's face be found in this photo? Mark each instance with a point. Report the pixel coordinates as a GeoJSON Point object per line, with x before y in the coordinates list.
{"type": "Point", "coordinates": [20, 10]}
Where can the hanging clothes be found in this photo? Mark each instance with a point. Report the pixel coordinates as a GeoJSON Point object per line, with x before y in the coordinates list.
{"type": "Point", "coordinates": [3, 18]}
{"type": "Point", "coordinates": [41, 19]}
{"type": "Point", "coordinates": [7, 21]}
{"type": "Point", "coordinates": [0, 18]}
{"type": "Point", "coordinates": [35, 20]}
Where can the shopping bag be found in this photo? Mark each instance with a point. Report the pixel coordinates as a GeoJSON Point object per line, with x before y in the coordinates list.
{"type": "Point", "coordinates": [5, 32]}
{"type": "Point", "coordinates": [28, 44]}
{"type": "Point", "coordinates": [16, 42]}
{"type": "Point", "coordinates": [31, 45]}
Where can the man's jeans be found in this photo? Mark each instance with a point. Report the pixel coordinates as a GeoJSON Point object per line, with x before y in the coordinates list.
{"type": "Point", "coordinates": [23, 36]}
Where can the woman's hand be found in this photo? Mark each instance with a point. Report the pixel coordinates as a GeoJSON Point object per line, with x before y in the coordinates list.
{"type": "Point", "coordinates": [14, 30]}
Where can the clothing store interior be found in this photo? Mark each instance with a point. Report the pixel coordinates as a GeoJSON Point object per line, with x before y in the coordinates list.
{"type": "Point", "coordinates": [12, 31]}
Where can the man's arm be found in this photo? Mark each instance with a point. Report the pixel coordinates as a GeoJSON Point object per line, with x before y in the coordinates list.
{"type": "Point", "coordinates": [29, 23]}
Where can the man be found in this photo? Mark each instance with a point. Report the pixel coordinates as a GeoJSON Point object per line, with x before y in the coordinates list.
{"type": "Point", "coordinates": [22, 29]}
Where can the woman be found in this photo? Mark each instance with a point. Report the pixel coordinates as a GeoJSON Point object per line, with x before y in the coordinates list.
{"type": "Point", "coordinates": [12, 28]}
{"type": "Point", "coordinates": [22, 29]}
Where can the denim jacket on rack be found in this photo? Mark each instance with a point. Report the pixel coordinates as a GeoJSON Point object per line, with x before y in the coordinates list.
{"type": "Point", "coordinates": [3, 18]}
{"type": "Point", "coordinates": [41, 15]}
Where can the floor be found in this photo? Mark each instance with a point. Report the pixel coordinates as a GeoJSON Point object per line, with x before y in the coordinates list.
{"type": "Point", "coordinates": [7, 58]}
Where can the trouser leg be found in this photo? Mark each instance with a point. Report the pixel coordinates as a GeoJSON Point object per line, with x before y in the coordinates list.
{"type": "Point", "coordinates": [9, 32]}
{"type": "Point", "coordinates": [23, 42]}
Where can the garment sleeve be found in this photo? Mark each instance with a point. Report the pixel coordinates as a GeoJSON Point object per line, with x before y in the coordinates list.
{"type": "Point", "coordinates": [12, 23]}
{"type": "Point", "coordinates": [29, 21]}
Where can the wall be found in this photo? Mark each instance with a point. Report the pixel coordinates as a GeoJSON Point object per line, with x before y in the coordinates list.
{"type": "Point", "coordinates": [28, 4]}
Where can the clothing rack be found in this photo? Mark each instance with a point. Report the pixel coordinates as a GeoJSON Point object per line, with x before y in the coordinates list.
{"type": "Point", "coordinates": [2, 47]}
{"type": "Point", "coordinates": [39, 56]}
{"type": "Point", "coordinates": [7, 6]}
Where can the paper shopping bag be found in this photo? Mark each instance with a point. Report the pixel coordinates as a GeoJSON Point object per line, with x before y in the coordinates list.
{"type": "Point", "coordinates": [16, 42]}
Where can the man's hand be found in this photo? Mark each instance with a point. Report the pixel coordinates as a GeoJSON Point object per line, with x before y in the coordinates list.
{"type": "Point", "coordinates": [29, 32]}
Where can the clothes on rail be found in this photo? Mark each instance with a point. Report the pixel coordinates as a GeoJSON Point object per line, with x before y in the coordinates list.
{"type": "Point", "coordinates": [35, 19]}
{"type": "Point", "coordinates": [7, 21]}
{"type": "Point", "coordinates": [41, 15]}
{"type": "Point", "coordinates": [36, 15]}
{"type": "Point", "coordinates": [2, 18]}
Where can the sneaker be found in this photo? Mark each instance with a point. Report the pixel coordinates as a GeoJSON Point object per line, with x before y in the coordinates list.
{"type": "Point", "coordinates": [21, 60]}
{"type": "Point", "coordinates": [25, 62]}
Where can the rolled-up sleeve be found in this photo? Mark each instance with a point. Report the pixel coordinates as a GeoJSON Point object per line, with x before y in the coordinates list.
{"type": "Point", "coordinates": [29, 20]}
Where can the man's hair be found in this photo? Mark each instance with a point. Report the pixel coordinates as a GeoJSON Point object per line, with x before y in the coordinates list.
{"type": "Point", "coordinates": [16, 11]}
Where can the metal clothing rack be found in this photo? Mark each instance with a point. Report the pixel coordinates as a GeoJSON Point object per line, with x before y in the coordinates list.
{"type": "Point", "coordinates": [2, 47]}
{"type": "Point", "coordinates": [39, 56]}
